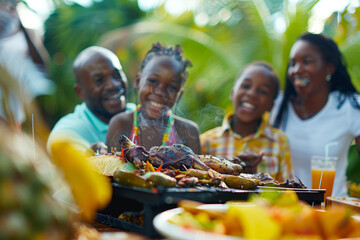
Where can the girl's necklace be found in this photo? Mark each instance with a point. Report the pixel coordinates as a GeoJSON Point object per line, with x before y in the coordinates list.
{"type": "Point", "coordinates": [166, 136]}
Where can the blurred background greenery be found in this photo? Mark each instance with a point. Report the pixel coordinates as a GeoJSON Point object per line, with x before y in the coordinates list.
{"type": "Point", "coordinates": [219, 36]}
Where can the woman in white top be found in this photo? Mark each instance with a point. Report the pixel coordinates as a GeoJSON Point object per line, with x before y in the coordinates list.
{"type": "Point", "coordinates": [320, 107]}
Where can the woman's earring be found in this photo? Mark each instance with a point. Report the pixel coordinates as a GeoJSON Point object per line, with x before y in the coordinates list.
{"type": "Point", "coordinates": [328, 77]}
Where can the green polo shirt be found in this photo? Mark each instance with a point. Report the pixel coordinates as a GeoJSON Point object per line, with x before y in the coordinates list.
{"type": "Point", "coordinates": [83, 124]}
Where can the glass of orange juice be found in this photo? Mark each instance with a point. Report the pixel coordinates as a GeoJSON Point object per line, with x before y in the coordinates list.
{"type": "Point", "coordinates": [323, 173]}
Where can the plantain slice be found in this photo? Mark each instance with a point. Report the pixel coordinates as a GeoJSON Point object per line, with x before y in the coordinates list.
{"type": "Point", "coordinates": [239, 182]}
{"type": "Point", "coordinates": [130, 179]}
{"type": "Point", "coordinates": [200, 174]}
{"type": "Point", "coordinates": [160, 179]}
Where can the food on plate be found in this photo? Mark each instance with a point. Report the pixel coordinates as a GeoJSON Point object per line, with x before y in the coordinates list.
{"type": "Point", "coordinates": [147, 180]}
{"type": "Point", "coordinates": [239, 182]}
{"type": "Point", "coordinates": [107, 164]}
{"type": "Point", "coordinates": [177, 156]}
{"type": "Point", "coordinates": [179, 163]}
{"type": "Point", "coordinates": [131, 179]}
{"type": "Point", "coordinates": [264, 179]}
{"type": "Point", "coordinates": [275, 215]}
{"type": "Point", "coordinates": [160, 179]}
{"type": "Point", "coordinates": [223, 165]}
{"type": "Point", "coordinates": [194, 207]}
{"type": "Point", "coordinates": [132, 152]}
{"type": "Point", "coordinates": [178, 166]}
{"type": "Point", "coordinates": [200, 174]}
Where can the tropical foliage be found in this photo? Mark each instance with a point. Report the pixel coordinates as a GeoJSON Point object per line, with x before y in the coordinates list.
{"type": "Point", "coordinates": [344, 28]}
{"type": "Point", "coordinates": [227, 36]}
{"type": "Point", "coordinates": [70, 29]}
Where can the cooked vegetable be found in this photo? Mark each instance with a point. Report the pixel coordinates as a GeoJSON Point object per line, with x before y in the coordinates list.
{"type": "Point", "coordinates": [239, 182]}
{"type": "Point", "coordinates": [159, 179]}
{"type": "Point", "coordinates": [130, 179]}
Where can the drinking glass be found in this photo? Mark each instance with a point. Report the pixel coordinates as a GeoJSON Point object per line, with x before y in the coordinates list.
{"type": "Point", "coordinates": [323, 173]}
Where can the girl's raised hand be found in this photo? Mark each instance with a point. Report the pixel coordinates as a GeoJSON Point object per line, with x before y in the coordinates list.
{"type": "Point", "coordinates": [251, 159]}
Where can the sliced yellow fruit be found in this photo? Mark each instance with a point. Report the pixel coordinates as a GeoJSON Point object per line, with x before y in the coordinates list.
{"type": "Point", "coordinates": [91, 190]}
{"type": "Point", "coordinates": [107, 164]}
{"type": "Point", "coordinates": [255, 221]}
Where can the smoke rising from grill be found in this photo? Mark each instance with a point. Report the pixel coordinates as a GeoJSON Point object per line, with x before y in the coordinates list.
{"type": "Point", "coordinates": [211, 116]}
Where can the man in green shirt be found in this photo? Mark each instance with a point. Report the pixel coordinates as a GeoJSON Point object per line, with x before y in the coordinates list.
{"type": "Point", "coordinates": [102, 86]}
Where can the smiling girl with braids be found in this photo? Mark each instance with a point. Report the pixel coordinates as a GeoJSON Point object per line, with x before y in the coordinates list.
{"type": "Point", "coordinates": [159, 84]}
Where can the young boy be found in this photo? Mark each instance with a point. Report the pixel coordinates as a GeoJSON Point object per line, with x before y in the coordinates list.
{"type": "Point", "coordinates": [247, 130]}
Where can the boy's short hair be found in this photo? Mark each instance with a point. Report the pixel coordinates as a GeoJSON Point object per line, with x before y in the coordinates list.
{"type": "Point", "coordinates": [267, 66]}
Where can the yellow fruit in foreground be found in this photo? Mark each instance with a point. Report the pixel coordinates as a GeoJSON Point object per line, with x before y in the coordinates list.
{"type": "Point", "coordinates": [107, 165]}
{"type": "Point", "coordinates": [336, 222]}
{"type": "Point", "coordinates": [255, 221]}
{"type": "Point", "coordinates": [304, 222]}
{"type": "Point", "coordinates": [91, 190]}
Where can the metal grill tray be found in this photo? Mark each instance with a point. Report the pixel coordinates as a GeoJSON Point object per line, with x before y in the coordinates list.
{"type": "Point", "coordinates": [151, 202]}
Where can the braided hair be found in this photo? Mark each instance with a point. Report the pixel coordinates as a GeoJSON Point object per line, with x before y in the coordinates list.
{"type": "Point", "coordinates": [160, 50]}
{"type": "Point", "coordinates": [340, 79]}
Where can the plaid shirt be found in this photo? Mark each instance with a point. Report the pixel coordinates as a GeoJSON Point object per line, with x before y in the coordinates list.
{"type": "Point", "coordinates": [223, 142]}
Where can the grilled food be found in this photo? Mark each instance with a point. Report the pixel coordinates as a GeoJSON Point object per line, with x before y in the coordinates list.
{"type": "Point", "coordinates": [222, 165]}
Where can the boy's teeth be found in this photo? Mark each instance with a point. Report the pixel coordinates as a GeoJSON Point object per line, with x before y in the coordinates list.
{"type": "Point", "coordinates": [248, 105]}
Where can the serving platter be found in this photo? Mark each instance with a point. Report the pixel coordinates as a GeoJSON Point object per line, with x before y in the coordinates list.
{"type": "Point", "coordinates": [150, 202]}
{"type": "Point", "coordinates": [162, 223]}
{"type": "Point", "coordinates": [172, 231]}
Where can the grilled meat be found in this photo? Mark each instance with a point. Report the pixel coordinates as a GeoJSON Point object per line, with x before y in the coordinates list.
{"type": "Point", "coordinates": [222, 165]}
{"type": "Point", "coordinates": [265, 179]}
{"type": "Point", "coordinates": [292, 184]}
{"type": "Point", "coordinates": [181, 157]}
{"type": "Point", "coordinates": [237, 160]}
{"type": "Point", "coordinates": [177, 156]}
{"type": "Point", "coordinates": [132, 152]}
{"type": "Point", "coordinates": [188, 181]}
